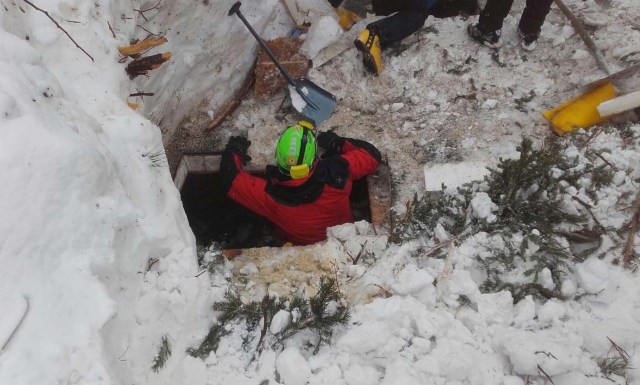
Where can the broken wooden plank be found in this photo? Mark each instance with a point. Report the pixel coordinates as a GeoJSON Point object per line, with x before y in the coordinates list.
{"type": "Point", "coordinates": [296, 17]}
{"type": "Point", "coordinates": [613, 77]}
{"type": "Point", "coordinates": [335, 49]}
{"type": "Point", "coordinates": [291, 6]}
{"type": "Point", "coordinates": [232, 253]}
{"type": "Point", "coordinates": [144, 45]}
{"type": "Point", "coordinates": [230, 105]}
{"type": "Point", "coordinates": [379, 186]}
{"type": "Point", "coordinates": [145, 64]}
{"type": "Point", "coordinates": [269, 80]}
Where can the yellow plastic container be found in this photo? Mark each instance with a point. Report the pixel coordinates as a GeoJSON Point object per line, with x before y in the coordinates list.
{"type": "Point", "coordinates": [580, 112]}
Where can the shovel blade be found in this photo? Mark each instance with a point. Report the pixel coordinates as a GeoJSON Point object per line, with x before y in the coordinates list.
{"type": "Point", "coordinates": [316, 104]}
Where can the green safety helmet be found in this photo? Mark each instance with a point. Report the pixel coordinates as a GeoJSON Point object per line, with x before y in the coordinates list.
{"type": "Point", "coordinates": [296, 150]}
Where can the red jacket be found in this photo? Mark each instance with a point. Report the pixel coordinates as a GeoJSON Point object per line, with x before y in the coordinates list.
{"type": "Point", "coordinates": [302, 209]}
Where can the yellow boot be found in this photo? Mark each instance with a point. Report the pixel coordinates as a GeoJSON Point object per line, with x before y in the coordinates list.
{"type": "Point", "coordinates": [368, 42]}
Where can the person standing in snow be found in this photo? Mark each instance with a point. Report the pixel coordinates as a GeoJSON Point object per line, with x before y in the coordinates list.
{"type": "Point", "coordinates": [407, 17]}
{"type": "Point", "coordinates": [488, 30]}
{"type": "Point", "coordinates": [302, 195]}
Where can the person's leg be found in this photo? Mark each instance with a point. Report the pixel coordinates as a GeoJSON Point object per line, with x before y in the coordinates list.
{"type": "Point", "coordinates": [531, 22]}
{"type": "Point", "coordinates": [409, 17]}
{"type": "Point", "coordinates": [398, 26]}
{"type": "Point", "coordinates": [383, 32]}
{"type": "Point", "coordinates": [387, 7]}
{"type": "Point", "coordinates": [488, 29]}
{"type": "Point", "coordinates": [493, 14]}
{"type": "Point", "coordinates": [451, 8]}
{"type": "Point", "coordinates": [533, 16]}
{"type": "Point", "coordinates": [384, 7]}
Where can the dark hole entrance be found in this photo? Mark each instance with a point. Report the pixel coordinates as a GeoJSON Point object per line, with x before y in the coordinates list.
{"type": "Point", "coordinates": [215, 218]}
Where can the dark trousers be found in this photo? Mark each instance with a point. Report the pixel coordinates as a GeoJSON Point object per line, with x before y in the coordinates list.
{"type": "Point", "coordinates": [408, 16]}
{"type": "Point", "coordinates": [531, 21]}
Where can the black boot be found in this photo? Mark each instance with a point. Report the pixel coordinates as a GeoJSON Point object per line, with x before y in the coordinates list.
{"type": "Point", "coordinates": [528, 40]}
{"type": "Point", "coordinates": [490, 39]}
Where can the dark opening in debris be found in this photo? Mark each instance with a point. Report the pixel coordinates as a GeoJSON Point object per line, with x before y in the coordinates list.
{"type": "Point", "coordinates": [215, 218]}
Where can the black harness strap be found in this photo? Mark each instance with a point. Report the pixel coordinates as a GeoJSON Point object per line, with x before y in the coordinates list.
{"type": "Point", "coordinates": [303, 145]}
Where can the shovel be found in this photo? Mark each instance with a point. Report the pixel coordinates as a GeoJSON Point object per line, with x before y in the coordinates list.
{"type": "Point", "coordinates": [318, 103]}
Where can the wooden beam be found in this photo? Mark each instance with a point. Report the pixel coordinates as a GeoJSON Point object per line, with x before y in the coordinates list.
{"type": "Point", "coordinates": [143, 65]}
{"type": "Point", "coordinates": [616, 76]}
{"type": "Point", "coordinates": [577, 25]}
{"type": "Point", "coordinates": [144, 45]}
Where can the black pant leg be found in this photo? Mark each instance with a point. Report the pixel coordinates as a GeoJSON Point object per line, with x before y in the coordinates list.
{"type": "Point", "coordinates": [384, 7]}
{"type": "Point", "coordinates": [387, 7]}
{"type": "Point", "coordinates": [533, 16]}
{"type": "Point", "coordinates": [398, 26]}
{"type": "Point", "coordinates": [444, 8]}
{"type": "Point", "coordinates": [493, 15]}
{"type": "Point", "coordinates": [450, 8]}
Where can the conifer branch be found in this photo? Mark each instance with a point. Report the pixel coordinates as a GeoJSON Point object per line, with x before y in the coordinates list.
{"type": "Point", "coordinates": [141, 94]}
{"type": "Point", "coordinates": [357, 258]}
{"type": "Point", "coordinates": [633, 229]}
{"type": "Point", "coordinates": [589, 208]}
{"type": "Point", "coordinates": [111, 29]}
{"type": "Point", "coordinates": [313, 314]}
{"type": "Point", "coordinates": [540, 370]}
{"type": "Point", "coordinates": [58, 25]}
{"type": "Point", "coordinates": [142, 11]}
{"type": "Point", "coordinates": [15, 330]}
{"type": "Point", "coordinates": [623, 353]}
{"type": "Point", "coordinates": [618, 364]}
{"type": "Point", "coordinates": [164, 352]}
{"type": "Point", "coordinates": [599, 155]}
{"type": "Point", "coordinates": [531, 217]}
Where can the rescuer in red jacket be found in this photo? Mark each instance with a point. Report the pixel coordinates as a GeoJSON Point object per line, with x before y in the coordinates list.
{"type": "Point", "coordinates": [302, 195]}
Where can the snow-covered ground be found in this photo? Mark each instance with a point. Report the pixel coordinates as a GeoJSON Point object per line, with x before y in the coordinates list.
{"type": "Point", "coordinates": [98, 261]}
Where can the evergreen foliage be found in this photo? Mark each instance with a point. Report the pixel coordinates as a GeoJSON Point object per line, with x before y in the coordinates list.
{"type": "Point", "coordinates": [211, 258]}
{"type": "Point", "coordinates": [319, 314]}
{"type": "Point", "coordinates": [617, 361]}
{"type": "Point", "coordinates": [316, 313]}
{"type": "Point", "coordinates": [164, 352]}
{"type": "Point", "coordinates": [536, 229]}
{"type": "Point", "coordinates": [614, 365]}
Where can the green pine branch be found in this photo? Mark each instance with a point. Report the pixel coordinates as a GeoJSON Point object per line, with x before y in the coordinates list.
{"type": "Point", "coordinates": [164, 352]}
{"type": "Point", "coordinates": [311, 314]}
{"type": "Point", "coordinates": [531, 213]}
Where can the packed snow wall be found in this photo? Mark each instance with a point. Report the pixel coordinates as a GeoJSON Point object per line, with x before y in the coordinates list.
{"type": "Point", "coordinates": [92, 231]}
{"type": "Point", "coordinates": [212, 55]}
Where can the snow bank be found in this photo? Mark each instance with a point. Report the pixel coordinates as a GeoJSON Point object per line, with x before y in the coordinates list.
{"type": "Point", "coordinates": [453, 175]}
{"type": "Point", "coordinates": [213, 53]}
{"type": "Point", "coordinates": [92, 232]}
{"type": "Point", "coordinates": [292, 367]}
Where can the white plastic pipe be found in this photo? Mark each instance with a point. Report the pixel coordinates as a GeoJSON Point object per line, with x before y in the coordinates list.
{"type": "Point", "coordinates": [620, 104]}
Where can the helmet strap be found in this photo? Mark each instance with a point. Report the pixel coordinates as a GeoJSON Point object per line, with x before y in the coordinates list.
{"type": "Point", "coordinates": [301, 170]}
{"type": "Point", "coordinates": [303, 146]}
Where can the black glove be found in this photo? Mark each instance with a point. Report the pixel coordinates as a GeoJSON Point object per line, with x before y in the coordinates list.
{"type": "Point", "coordinates": [228, 170]}
{"type": "Point", "coordinates": [331, 142]}
{"type": "Point", "coordinates": [239, 145]}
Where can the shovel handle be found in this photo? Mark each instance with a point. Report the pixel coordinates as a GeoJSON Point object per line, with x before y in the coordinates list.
{"type": "Point", "coordinates": [577, 25]}
{"type": "Point", "coordinates": [235, 9]}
